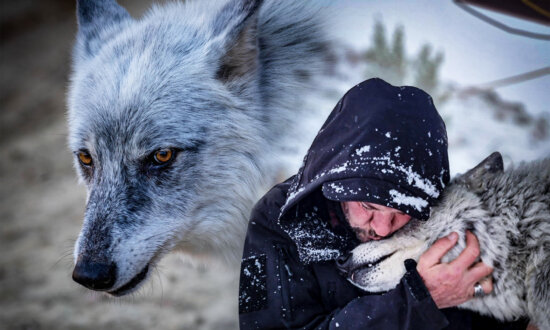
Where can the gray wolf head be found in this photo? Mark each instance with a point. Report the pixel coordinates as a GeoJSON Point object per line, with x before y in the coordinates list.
{"type": "Point", "coordinates": [168, 117]}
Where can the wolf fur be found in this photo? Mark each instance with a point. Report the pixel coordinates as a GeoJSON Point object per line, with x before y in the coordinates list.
{"type": "Point", "coordinates": [216, 82]}
{"type": "Point", "coordinates": [508, 211]}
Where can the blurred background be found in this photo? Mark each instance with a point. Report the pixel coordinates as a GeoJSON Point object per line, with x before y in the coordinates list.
{"type": "Point", "coordinates": [462, 61]}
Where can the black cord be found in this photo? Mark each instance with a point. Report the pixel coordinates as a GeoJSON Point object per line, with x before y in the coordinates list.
{"type": "Point", "coordinates": [498, 24]}
{"type": "Point", "coordinates": [517, 78]}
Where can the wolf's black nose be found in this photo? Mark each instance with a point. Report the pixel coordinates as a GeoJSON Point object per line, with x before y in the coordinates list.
{"type": "Point", "coordinates": [95, 276]}
{"type": "Point", "coordinates": [343, 262]}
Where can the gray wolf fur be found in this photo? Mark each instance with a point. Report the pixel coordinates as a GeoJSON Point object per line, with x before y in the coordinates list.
{"type": "Point", "coordinates": [509, 212]}
{"type": "Point", "coordinates": [216, 84]}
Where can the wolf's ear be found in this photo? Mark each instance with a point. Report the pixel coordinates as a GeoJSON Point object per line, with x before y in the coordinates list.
{"type": "Point", "coordinates": [475, 177]}
{"type": "Point", "coordinates": [236, 32]}
{"type": "Point", "coordinates": [98, 20]}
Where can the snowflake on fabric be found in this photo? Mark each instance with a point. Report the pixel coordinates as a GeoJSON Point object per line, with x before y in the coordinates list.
{"type": "Point", "coordinates": [253, 287]}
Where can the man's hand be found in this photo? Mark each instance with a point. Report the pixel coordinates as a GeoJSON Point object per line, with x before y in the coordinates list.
{"type": "Point", "coordinates": [453, 283]}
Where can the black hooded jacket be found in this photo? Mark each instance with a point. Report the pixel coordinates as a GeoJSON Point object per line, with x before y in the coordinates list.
{"type": "Point", "coordinates": [381, 144]}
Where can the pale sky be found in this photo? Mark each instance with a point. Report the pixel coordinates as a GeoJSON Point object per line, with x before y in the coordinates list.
{"type": "Point", "coordinates": [475, 52]}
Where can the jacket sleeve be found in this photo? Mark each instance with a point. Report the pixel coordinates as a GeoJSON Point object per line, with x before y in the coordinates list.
{"type": "Point", "coordinates": [408, 306]}
{"type": "Point", "coordinates": [277, 291]}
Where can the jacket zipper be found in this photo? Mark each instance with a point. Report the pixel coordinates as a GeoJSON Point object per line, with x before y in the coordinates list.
{"type": "Point", "coordinates": [285, 274]}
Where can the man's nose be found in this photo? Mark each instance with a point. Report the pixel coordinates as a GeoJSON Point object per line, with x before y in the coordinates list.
{"type": "Point", "coordinates": [382, 223]}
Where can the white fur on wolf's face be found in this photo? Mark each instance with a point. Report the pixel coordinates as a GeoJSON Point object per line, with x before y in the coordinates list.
{"type": "Point", "coordinates": [377, 266]}
{"type": "Point", "coordinates": [136, 211]}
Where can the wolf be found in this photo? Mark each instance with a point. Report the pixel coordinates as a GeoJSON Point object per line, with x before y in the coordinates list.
{"type": "Point", "coordinates": [175, 121]}
{"type": "Point", "coordinates": [509, 212]}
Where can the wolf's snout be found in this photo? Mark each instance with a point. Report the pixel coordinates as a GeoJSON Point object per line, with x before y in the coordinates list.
{"type": "Point", "coordinates": [95, 276]}
{"type": "Point", "coordinates": [343, 262]}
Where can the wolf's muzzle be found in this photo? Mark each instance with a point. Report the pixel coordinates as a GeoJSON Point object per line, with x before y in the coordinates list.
{"type": "Point", "coordinates": [95, 276]}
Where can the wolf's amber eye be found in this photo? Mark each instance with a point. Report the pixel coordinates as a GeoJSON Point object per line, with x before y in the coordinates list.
{"type": "Point", "coordinates": [85, 158]}
{"type": "Point", "coordinates": [163, 156]}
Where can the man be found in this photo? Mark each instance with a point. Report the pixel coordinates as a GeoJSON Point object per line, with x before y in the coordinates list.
{"type": "Point", "coordinates": [379, 159]}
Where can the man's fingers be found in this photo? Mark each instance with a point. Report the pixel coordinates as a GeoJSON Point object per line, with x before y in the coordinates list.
{"type": "Point", "coordinates": [479, 272]}
{"type": "Point", "coordinates": [434, 254]}
{"type": "Point", "coordinates": [486, 285]}
{"type": "Point", "coordinates": [469, 255]}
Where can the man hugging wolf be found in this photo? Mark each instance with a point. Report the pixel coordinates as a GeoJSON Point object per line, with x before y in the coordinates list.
{"type": "Point", "coordinates": [379, 161]}
{"type": "Point", "coordinates": [173, 123]}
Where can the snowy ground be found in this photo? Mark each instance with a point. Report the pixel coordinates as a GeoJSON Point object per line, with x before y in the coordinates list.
{"type": "Point", "coordinates": [41, 204]}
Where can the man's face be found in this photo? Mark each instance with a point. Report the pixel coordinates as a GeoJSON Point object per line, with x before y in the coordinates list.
{"type": "Point", "coordinates": [373, 221]}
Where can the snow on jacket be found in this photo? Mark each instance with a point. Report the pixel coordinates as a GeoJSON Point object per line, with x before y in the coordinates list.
{"type": "Point", "coordinates": [382, 144]}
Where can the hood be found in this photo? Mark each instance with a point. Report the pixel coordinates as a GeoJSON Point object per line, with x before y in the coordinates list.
{"type": "Point", "coordinates": [381, 144]}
